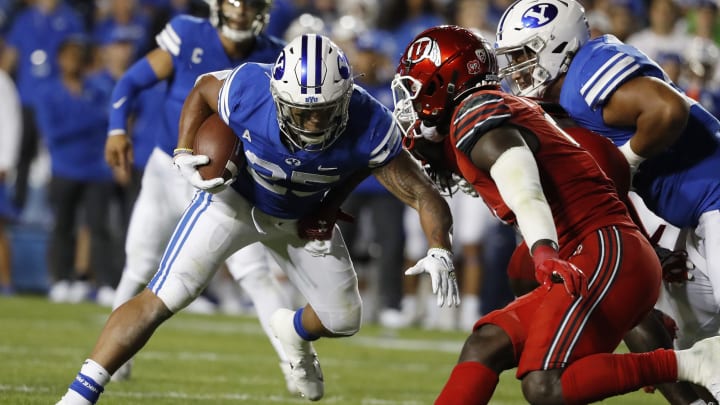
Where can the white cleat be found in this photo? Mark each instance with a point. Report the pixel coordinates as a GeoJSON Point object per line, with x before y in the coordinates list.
{"type": "Point", "coordinates": [123, 373]}
{"type": "Point", "coordinates": [289, 381]}
{"type": "Point", "coordinates": [304, 365]}
{"type": "Point", "coordinates": [701, 364]}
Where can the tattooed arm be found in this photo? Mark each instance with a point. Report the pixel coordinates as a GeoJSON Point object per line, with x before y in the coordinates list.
{"type": "Point", "coordinates": [408, 182]}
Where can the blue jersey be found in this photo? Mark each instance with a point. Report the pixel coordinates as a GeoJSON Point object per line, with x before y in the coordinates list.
{"type": "Point", "coordinates": [383, 94]}
{"type": "Point", "coordinates": [146, 127]}
{"type": "Point", "coordinates": [681, 183]}
{"type": "Point", "coordinates": [196, 49]}
{"type": "Point", "coordinates": [290, 183]}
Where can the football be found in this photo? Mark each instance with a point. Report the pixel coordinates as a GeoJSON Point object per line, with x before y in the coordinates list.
{"type": "Point", "coordinates": [218, 141]}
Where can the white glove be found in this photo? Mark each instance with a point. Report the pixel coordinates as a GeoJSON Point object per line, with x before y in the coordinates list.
{"type": "Point", "coordinates": [439, 264]}
{"type": "Point", "coordinates": [187, 164]}
{"type": "Point", "coordinates": [465, 186]}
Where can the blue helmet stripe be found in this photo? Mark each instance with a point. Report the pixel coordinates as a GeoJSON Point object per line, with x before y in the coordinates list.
{"type": "Point", "coordinates": [303, 65]}
{"type": "Point", "coordinates": [318, 63]}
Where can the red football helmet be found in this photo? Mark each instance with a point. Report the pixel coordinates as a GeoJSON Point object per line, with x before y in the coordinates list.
{"type": "Point", "coordinates": [438, 67]}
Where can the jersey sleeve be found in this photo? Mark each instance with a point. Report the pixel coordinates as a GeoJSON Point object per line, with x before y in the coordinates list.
{"type": "Point", "coordinates": [476, 116]}
{"type": "Point", "coordinates": [389, 145]}
{"type": "Point", "coordinates": [230, 92]}
{"type": "Point", "coordinates": [603, 72]}
{"type": "Point", "coordinates": [177, 35]}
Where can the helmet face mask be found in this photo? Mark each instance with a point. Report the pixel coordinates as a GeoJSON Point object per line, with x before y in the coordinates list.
{"type": "Point", "coordinates": [521, 73]}
{"type": "Point", "coordinates": [536, 41]}
{"type": "Point", "coordinates": [311, 127]}
{"type": "Point", "coordinates": [405, 90]}
{"type": "Point", "coordinates": [437, 69]}
{"type": "Point", "coordinates": [311, 85]}
{"type": "Point", "coordinates": [227, 16]}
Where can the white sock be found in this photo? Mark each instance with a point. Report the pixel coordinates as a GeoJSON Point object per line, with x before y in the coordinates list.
{"type": "Point", "coordinates": [95, 371]}
{"type": "Point", "coordinates": [73, 398]}
{"type": "Point", "coordinates": [84, 392]}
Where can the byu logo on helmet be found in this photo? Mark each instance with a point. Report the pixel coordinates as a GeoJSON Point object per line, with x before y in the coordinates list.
{"type": "Point", "coordinates": [424, 48]}
{"type": "Point", "coordinates": [539, 15]}
{"type": "Point", "coordinates": [343, 66]}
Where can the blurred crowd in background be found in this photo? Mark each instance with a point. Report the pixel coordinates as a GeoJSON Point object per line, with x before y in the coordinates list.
{"type": "Point", "coordinates": [63, 213]}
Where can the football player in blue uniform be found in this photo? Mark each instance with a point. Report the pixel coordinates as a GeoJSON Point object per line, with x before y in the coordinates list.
{"type": "Point", "coordinates": [309, 135]}
{"type": "Point", "coordinates": [187, 48]}
{"type": "Point", "coordinates": [670, 141]}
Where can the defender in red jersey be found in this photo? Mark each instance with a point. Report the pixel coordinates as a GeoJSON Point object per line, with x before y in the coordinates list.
{"type": "Point", "coordinates": [587, 253]}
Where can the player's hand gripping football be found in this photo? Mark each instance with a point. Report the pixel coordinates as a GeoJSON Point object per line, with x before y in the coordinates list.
{"type": "Point", "coordinates": [187, 164]}
{"type": "Point", "coordinates": [439, 265]}
{"type": "Point", "coordinates": [549, 269]}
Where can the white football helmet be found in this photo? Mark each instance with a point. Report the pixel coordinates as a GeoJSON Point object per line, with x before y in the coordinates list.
{"type": "Point", "coordinates": [311, 84]}
{"type": "Point", "coordinates": [221, 18]}
{"type": "Point", "coordinates": [536, 40]}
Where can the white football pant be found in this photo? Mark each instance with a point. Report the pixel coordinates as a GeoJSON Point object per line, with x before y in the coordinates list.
{"type": "Point", "coordinates": [216, 225]}
{"type": "Point", "coordinates": [693, 305]}
{"type": "Point", "coordinates": [163, 198]}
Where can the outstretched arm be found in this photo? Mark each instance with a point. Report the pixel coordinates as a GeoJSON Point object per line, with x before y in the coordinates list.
{"type": "Point", "coordinates": [153, 68]}
{"type": "Point", "coordinates": [406, 180]}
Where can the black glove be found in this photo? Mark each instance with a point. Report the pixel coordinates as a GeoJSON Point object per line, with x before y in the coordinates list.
{"type": "Point", "coordinates": [320, 226]}
{"type": "Point", "coordinates": [675, 267]}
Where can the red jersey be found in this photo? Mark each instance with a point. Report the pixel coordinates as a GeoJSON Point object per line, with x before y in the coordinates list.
{"type": "Point", "coordinates": [581, 197]}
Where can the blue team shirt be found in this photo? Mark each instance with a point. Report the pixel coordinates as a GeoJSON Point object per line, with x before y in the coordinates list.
{"type": "Point", "coordinates": [136, 30]}
{"type": "Point", "coordinates": [681, 183]}
{"type": "Point", "coordinates": [37, 36]}
{"type": "Point", "coordinates": [196, 49]}
{"type": "Point", "coordinates": [290, 183]}
{"type": "Point", "coordinates": [73, 127]}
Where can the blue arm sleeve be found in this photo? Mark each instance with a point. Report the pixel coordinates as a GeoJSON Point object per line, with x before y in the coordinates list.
{"type": "Point", "coordinates": [140, 76]}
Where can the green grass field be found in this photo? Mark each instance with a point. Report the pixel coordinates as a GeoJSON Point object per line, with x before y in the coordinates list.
{"type": "Point", "coordinates": [196, 359]}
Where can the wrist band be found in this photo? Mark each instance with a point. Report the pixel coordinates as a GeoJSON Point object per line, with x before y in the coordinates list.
{"type": "Point", "coordinates": [440, 249]}
{"type": "Point", "coordinates": [178, 151]}
{"type": "Point", "coordinates": [633, 158]}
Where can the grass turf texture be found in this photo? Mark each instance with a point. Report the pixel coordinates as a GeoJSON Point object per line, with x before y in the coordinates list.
{"type": "Point", "coordinates": [197, 359]}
